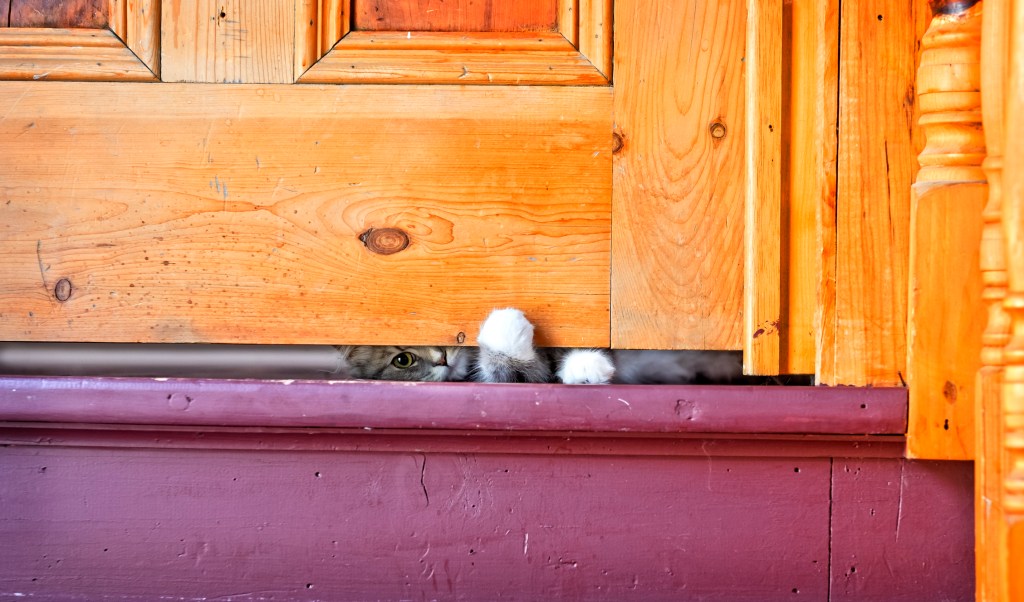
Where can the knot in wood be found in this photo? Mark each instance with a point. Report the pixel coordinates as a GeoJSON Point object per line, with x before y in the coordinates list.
{"type": "Point", "coordinates": [385, 241]}
{"type": "Point", "coordinates": [62, 291]}
{"type": "Point", "coordinates": [718, 130]}
{"type": "Point", "coordinates": [617, 142]}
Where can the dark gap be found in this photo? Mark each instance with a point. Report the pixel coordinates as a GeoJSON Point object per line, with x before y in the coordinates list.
{"type": "Point", "coordinates": [786, 192]}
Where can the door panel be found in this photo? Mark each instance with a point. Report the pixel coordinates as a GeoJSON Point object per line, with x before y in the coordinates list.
{"type": "Point", "coordinates": [458, 15]}
{"type": "Point", "coordinates": [188, 213]}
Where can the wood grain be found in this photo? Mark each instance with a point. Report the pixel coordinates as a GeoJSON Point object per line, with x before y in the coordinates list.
{"type": "Point", "coordinates": [454, 15]}
{"type": "Point", "coordinates": [762, 213]}
{"type": "Point", "coordinates": [567, 22]}
{"type": "Point", "coordinates": [878, 143]}
{"type": "Point", "coordinates": [319, 25]}
{"type": "Point", "coordinates": [809, 181]}
{"type": "Point", "coordinates": [594, 28]}
{"type": "Point", "coordinates": [61, 14]}
{"type": "Point", "coordinates": [232, 217]}
{"type": "Point", "coordinates": [945, 275]}
{"type": "Point", "coordinates": [991, 541]}
{"type": "Point", "coordinates": [460, 58]}
{"type": "Point", "coordinates": [67, 54]}
{"type": "Point", "coordinates": [677, 277]}
{"type": "Point", "coordinates": [227, 42]}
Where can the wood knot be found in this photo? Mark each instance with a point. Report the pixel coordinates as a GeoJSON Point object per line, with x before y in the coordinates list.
{"type": "Point", "coordinates": [62, 291]}
{"type": "Point", "coordinates": [385, 241]}
{"type": "Point", "coordinates": [617, 142]}
{"type": "Point", "coordinates": [718, 130]}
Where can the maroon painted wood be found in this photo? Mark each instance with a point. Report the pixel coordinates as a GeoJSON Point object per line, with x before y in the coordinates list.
{"type": "Point", "coordinates": [641, 409]}
{"type": "Point", "coordinates": [900, 528]}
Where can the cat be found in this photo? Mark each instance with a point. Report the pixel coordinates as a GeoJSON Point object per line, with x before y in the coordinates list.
{"type": "Point", "coordinates": [506, 354]}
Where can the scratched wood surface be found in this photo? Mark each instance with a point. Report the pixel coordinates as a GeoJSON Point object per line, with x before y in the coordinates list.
{"type": "Point", "coordinates": [454, 15]}
{"type": "Point", "coordinates": [677, 278]}
{"type": "Point", "coordinates": [86, 14]}
{"type": "Point", "coordinates": [230, 217]}
{"type": "Point", "coordinates": [28, 53]}
{"type": "Point", "coordinates": [232, 41]}
{"type": "Point", "coordinates": [878, 145]}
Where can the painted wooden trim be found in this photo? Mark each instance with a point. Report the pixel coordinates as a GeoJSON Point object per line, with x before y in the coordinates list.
{"type": "Point", "coordinates": [763, 198]}
{"type": "Point", "coordinates": [461, 406]}
{"type": "Point", "coordinates": [68, 55]}
{"type": "Point", "coordinates": [454, 58]}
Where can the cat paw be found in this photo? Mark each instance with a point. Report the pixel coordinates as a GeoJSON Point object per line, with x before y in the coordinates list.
{"type": "Point", "coordinates": [586, 367]}
{"type": "Point", "coordinates": [507, 331]}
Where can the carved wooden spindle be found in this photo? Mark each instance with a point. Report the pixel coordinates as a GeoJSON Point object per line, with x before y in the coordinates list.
{"type": "Point", "coordinates": [946, 202]}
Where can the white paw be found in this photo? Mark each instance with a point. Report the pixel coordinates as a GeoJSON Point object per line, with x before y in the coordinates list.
{"type": "Point", "coordinates": [507, 331]}
{"type": "Point", "coordinates": [586, 367]}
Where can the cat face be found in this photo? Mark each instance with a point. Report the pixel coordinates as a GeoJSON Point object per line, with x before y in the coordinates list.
{"type": "Point", "coordinates": [408, 363]}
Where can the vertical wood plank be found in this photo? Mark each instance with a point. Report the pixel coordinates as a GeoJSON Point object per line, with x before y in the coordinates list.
{"type": "Point", "coordinates": [877, 158]}
{"type": "Point", "coordinates": [677, 276]}
{"type": "Point", "coordinates": [142, 24]}
{"type": "Point", "coordinates": [568, 24]}
{"type": "Point", "coordinates": [594, 28]}
{"type": "Point", "coordinates": [117, 17]}
{"type": "Point", "coordinates": [335, 23]}
{"type": "Point", "coordinates": [763, 190]}
{"type": "Point", "coordinates": [307, 41]}
{"type": "Point", "coordinates": [232, 41]}
{"type": "Point", "coordinates": [5, 14]}
{"type": "Point", "coordinates": [1012, 451]}
{"type": "Point", "coordinates": [990, 534]}
{"type": "Point", "coordinates": [810, 178]}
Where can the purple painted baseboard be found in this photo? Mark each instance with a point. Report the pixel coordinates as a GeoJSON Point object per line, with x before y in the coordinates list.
{"type": "Point", "coordinates": [114, 491]}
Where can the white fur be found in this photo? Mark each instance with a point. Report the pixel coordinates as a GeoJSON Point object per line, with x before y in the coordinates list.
{"type": "Point", "coordinates": [507, 331]}
{"type": "Point", "coordinates": [586, 367]}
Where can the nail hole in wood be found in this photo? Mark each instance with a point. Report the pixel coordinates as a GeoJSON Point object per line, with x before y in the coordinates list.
{"type": "Point", "coordinates": [63, 290]}
{"type": "Point", "coordinates": [460, 338]}
{"type": "Point", "coordinates": [385, 241]}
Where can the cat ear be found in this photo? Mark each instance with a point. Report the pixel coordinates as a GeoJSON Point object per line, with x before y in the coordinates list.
{"type": "Point", "coordinates": [586, 367]}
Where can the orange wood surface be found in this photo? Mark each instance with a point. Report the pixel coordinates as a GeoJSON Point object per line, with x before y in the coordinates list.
{"type": "Point", "coordinates": [454, 15]}
{"type": "Point", "coordinates": [811, 68]}
{"type": "Point", "coordinates": [67, 54]}
{"type": "Point", "coordinates": [446, 58]}
{"type": "Point", "coordinates": [86, 14]}
{"type": "Point", "coordinates": [948, 198]}
{"type": "Point", "coordinates": [677, 277]}
{"type": "Point", "coordinates": [231, 41]}
{"type": "Point", "coordinates": [231, 217]}
{"type": "Point", "coordinates": [762, 204]}
{"type": "Point", "coordinates": [878, 145]}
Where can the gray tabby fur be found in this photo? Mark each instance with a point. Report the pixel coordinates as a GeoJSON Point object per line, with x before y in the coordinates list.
{"type": "Point", "coordinates": [505, 353]}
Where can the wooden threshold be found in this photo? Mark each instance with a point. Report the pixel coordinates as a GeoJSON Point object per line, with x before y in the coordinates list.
{"type": "Point", "coordinates": [472, 407]}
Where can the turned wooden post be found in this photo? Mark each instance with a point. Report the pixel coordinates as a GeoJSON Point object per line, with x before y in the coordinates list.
{"type": "Point", "coordinates": [946, 204]}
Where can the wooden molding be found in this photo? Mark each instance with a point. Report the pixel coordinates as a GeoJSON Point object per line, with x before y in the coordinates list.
{"type": "Point", "coordinates": [68, 55]}
{"type": "Point", "coordinates": [578, 54]}
{"type": "Point", "coordinates": [763, 198]}
{"type": "Point", "coordinates": [128, 51]}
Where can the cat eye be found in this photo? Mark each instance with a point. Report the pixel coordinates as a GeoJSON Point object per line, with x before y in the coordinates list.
{"type": "Point", "coordinates": [404, 360]}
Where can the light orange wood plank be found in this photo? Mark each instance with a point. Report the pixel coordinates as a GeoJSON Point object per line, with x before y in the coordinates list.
{"type": "Point", "coordinates": [878, 144]}
{"type": "Point", "coordinates": [594, 27]}
{"type": "Point", "coordinates": [762, 221]}
{"type": "Point", "coordinates": [231, 41]}
{"type": "Point", "coordinates": [568, 23]}
{"type": "Point", "coordinates": [945, 275]}
{"type": "Point", "coordinates": [677, 277]}
{"type": "Point", "coordinates": [454, 15]}
{"type": "Point", "coordinates": [335, 22]}
{"type": "Point", "coordinates": [990, 529]}
{"type": "Point", "coordinates": [809, 179]}
{"type": "Point", "coordinates": [460, 58]}
{"type": "Point", "coordinates": [142, 21]}
{"type": "Point", "coordinates": [67, 54]}
{"type": "Point", "coordinates": [235, 218]}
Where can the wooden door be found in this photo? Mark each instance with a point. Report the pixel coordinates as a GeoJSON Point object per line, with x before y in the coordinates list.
{"type": "Point", "coordinates": [243, 205]}
{"type": "Point", "coordinates": [371, 171]}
